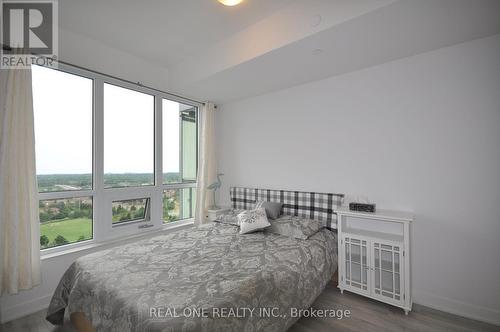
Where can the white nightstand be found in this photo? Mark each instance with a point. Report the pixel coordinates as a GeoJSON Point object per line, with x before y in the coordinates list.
{"type": "Point", "coordinates": [374, 255]}
{"type": "Point", "coordinates": [213, 214]}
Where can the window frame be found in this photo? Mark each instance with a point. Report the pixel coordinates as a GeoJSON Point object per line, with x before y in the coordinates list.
{"type": "Point", "coordinates": [147, 212]}
{"type": "Point", "coordinates": [102, 227]}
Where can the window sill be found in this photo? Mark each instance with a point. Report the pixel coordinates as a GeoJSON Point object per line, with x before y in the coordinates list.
{"type": "Point", "coordinates": [88, 245]}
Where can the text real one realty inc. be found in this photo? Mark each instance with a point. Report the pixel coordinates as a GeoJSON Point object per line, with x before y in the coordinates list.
{"type": "Point", "coordinates": [265, 312]}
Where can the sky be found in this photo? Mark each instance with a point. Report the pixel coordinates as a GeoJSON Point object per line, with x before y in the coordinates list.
{"type": "Point", "coordinates": [62, 105]}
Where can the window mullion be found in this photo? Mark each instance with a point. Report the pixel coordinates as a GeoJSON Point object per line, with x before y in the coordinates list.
{"type": "Point", "coordinates": [179, 185]}
{"type": "Point", "coordinates": [181, 161]}
{"type": "Point", "coordinates": [157, 198]}
{"type": "Point", "coordinates": [64, 194]}
{"type": "Point", "coordinates": [100, 203]}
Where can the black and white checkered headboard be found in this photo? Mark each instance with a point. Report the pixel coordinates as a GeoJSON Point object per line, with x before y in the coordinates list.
{"type": "Point", "coordinates": [311, 205]}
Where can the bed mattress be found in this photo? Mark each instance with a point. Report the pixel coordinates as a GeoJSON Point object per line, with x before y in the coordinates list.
{"type": "Point", "coordinates": [207, 278]}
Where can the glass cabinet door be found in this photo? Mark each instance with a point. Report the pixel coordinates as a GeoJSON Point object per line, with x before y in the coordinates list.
{"type": "Point", "coordinates": [356, 263]}
{"type": "Point", "coordinates": [387, 271]}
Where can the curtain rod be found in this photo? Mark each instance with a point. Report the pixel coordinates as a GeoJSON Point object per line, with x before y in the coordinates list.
{"type": "Point", "coordinates": [9, 49]}
{"type": "Point", "coordinates": [131, 82]}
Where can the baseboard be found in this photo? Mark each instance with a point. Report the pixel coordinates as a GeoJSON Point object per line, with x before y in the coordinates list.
{"type": "Point", "coordinates": [458, 308]}
{"type": "Point", "coordinates": [25, 308]}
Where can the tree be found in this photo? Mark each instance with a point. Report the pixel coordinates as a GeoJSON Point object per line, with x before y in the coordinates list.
{"type": "Point", "coordinates": [169, 203]}
{"type": "Point", "coordinates": [87, 213]}
{"type": "Point", "coordinates": [128, 216]}
{"type": "Point", "coordinates": [44, 216]}
{"type": "Point", "coordinates": [85, 206]}
{"type": "Point", "coordinates": [76, 214]}
{"type": "Point", "coordinates": [50, 214]}
{"type": "Point", "coordinates": [60, 240]}
{"type": "Point", "coordinates": [139, 213]}
{"type": "Point", "coordinates": [61, 215]}
{"type": "Point", "coordinates": [44, 241]}
{"type": "Point", "coordinates": [61, 205]}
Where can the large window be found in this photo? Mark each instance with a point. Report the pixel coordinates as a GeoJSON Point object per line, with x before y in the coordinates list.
{"type": "Point", "coordinates": [189, 144]}
{"type": "Point", "coordinates": [180, 142]}
{"type": "Point", "coordinates": [63, 130]}
{"type": "Point", "coordinates": [113, 158]}
{"type": "Point", "coordinates": [63, 111]}
{"type": "Point", "coordinates": [180, 150]}
{"type": "Point", "coordinates": [128, 137]}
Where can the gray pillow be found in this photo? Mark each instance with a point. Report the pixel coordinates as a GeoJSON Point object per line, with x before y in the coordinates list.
{"type": "Point", "coordinates": [229, 217]}
{"type": "Point", "coordinates": [296, 227]}
{"type": "Point", "coordinates": [273, 209]}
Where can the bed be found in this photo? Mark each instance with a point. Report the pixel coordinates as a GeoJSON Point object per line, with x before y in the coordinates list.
{"type": "Point", "coordinates": [207, 278]}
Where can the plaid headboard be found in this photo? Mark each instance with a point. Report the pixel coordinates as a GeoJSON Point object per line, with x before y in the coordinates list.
{"type": "Point", "coordinates": [318, 206]}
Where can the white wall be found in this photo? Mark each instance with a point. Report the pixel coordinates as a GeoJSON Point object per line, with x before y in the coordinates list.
{"type": "Point", "coordinates": [421, 134]}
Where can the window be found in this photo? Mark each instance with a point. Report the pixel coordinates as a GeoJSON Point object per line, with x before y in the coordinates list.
{"type": "Point", "coordinates": [180, 162]}
{"type": "Point", "coordinates": [189, 144]}
{"type": "Point", "coordinates": [62, 105]}
{"type": "Point", "coordinates": [130, 210]}
{"type": "Point", "coordinates": [180, 142]}
{"type": "Point", "coordinates": [178, 204]}
{"type": "Point", "coordinates": [96, 142]}
{"type": "Point", "coordinates": [64, 221]}
{"type": "Point", "coordinates": [128, 137]}
{"type": "Point", "coordinates": [171, 142]}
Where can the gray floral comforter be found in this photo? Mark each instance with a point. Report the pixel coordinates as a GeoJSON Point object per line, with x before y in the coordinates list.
{"type": "Point", "coordinates": [208, 278]}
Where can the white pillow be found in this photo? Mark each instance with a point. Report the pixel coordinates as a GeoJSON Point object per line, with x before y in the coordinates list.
{"type": "Point", "coordinates": [253, 220]}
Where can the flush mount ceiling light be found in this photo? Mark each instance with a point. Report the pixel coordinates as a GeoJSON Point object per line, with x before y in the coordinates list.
{"type": "Point", "coordinates": [230, 2]}
{"type": "Point", "coordinates": [317, 51]}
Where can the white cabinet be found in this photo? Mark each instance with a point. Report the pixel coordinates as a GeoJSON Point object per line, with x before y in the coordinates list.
{"type": "Point", "coordinates": [356, 263]}
{"type": "Point", "coordinates": [386, 273]}
{"type": "Point", "coordinates": [374, 255]}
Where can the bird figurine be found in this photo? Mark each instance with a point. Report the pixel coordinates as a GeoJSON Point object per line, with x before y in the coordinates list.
{"type": "Point", "coordinates": [214, 186]}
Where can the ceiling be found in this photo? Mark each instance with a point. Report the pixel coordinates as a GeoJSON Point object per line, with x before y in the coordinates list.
{"type": "Point", "coordinates": [218, 53]}
{"type": "Point", "coordinates": [161, 31]}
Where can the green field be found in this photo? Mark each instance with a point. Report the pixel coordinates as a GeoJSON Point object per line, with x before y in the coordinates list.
{"type": "Point", "coordinates": [71, 229]}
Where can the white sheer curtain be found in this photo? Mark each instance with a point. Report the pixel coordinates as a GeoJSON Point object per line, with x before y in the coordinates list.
{"type": "Point", "coordinates": [19, 220]}
{"type": "Point", "coordinates": [207, 162]}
